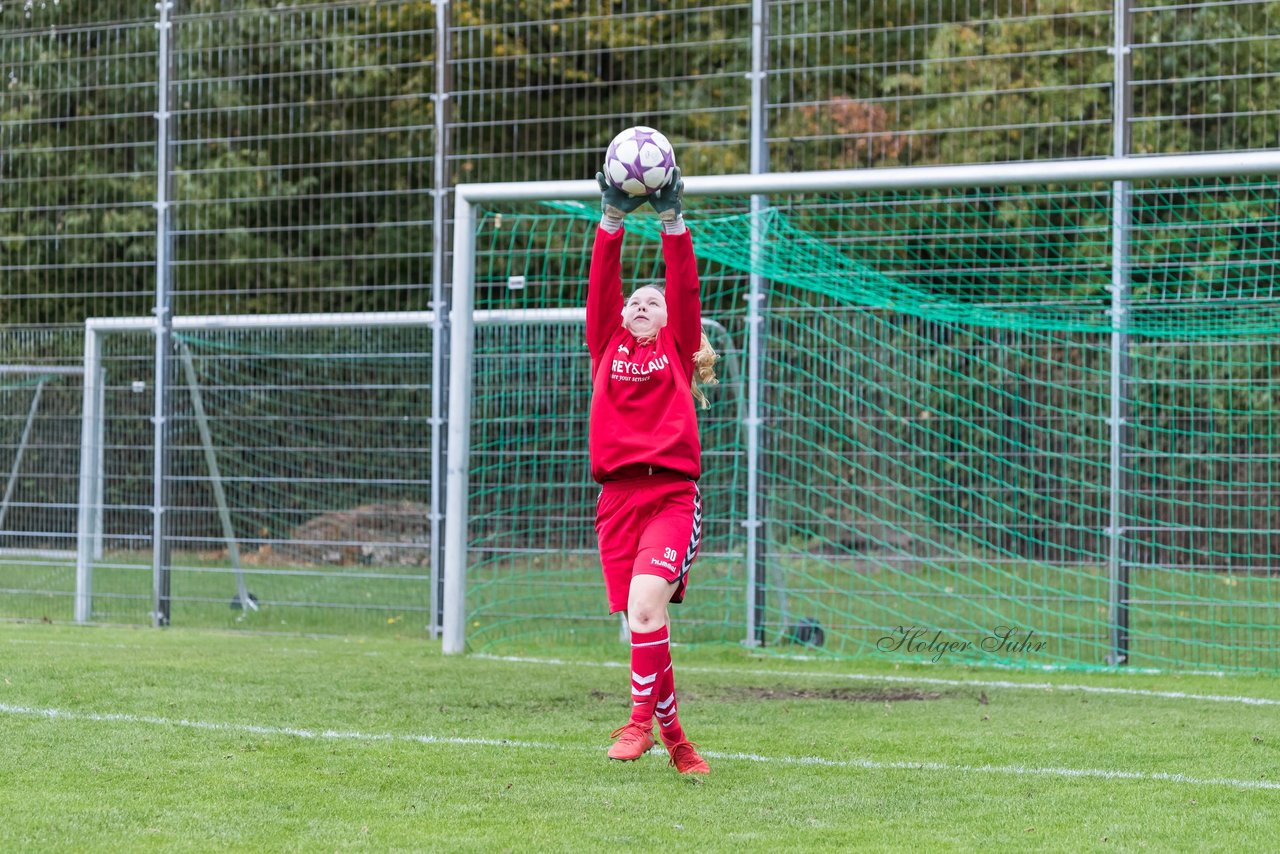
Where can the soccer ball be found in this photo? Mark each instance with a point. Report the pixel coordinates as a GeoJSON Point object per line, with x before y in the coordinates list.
{"type": "Point", "coordinates": [639, 161]}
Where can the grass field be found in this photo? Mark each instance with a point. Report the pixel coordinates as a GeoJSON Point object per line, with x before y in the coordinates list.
{"type": "Point", "coordinates": [136, 739]}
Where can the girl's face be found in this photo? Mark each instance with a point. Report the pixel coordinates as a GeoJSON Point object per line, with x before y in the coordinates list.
{"type": "Point", "coordinates": [645, 312]}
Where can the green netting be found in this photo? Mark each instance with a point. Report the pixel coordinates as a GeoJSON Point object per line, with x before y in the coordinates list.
{"type": "Point", "coordinates": [1201, 258]}
{"type": "Point", "coordinates": [937, 457]}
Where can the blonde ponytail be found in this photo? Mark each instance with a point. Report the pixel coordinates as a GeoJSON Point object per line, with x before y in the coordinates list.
{"type": "Point", "coordinates": [704, 370]}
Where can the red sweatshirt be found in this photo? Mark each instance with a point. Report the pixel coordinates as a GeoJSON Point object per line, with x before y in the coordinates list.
{"type": "Point", "coordinates": [642, 410]}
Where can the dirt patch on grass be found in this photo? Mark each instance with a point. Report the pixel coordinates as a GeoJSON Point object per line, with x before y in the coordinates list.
{"type": "Point", "coordinates": [841, 695]}
{"type": "Point", "coordinates": [844, 695]}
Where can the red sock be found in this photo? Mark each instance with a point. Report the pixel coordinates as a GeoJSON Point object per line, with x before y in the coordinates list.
{"type": "Point", "coordinates": [650, 655]}
{"type": "Point", "coordinates": [665, 707]}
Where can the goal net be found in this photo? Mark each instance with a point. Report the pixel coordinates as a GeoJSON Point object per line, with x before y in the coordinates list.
{"type": "Point", "coordinates": [1028, 420]}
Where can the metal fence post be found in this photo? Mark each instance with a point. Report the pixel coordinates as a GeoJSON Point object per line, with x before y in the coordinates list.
{"type": "Point", "coordinates": [439, 242]}
{"type": "Point", "coordinates": [755, 567]}
{"type": "Point", "coordinates": [160, 558]}
{"type": "Point", "coordinates": [1117, 569]}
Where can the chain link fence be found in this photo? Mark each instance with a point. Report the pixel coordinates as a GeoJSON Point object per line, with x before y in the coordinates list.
{"type": "Point", "coordinates": [235, 158]}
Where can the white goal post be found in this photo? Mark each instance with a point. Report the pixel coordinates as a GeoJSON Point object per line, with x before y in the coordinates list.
{"type": "Point", "coordinates": [1115, 170]}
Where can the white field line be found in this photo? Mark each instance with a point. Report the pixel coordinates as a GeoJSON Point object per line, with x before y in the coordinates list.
{"type": "Point", "coordinates": [863, 764]}
{"type": "Point", "coordinates": [287, 650]}
{"type": "Point", "coordinates": [916, 680]}
{"type": "Point", "coordinates": [33, 642]}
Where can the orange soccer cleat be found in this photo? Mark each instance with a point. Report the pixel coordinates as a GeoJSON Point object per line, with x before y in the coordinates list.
{"type": "Point", "coordinates": [686, 760]}
{"type": "Point", "coordinates": [633, 740]}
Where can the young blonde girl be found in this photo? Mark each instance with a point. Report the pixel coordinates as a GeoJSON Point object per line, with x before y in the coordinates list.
{"type": "Point", "coordinates": [646, 454]}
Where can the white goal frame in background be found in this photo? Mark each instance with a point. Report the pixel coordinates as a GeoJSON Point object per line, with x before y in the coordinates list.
{"type": "Point", "coordinates": [93, 415]}
{"type": "Point", "coordinates": [89, 528]}
{"type": "Point", "coordinates": [1117, 170]}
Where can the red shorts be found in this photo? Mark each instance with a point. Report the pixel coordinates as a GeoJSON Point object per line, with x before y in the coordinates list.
{"type": "Point", "coordinates": [648, 525]}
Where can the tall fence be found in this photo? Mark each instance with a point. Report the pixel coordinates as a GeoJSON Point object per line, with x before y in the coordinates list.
{"type": "Point", "coordinates": [200, 159]}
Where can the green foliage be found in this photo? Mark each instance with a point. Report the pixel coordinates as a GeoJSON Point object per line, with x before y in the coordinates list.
{"type": "Point", "coordinates": [1024, 82]}
{"type": "Point", "coordinates": [77, 231]}
{"type": "Point", "coordinates": [309, 192]}
{"type": "Point", "coordinates": [1218, 61]}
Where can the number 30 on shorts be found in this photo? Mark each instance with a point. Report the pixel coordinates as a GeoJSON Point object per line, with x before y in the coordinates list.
{"type": "Point", "coordinates": [670, 553]}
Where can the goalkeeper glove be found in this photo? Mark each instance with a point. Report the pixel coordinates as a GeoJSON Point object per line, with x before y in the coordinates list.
{"type": "Point", "coordinates": [614, 203]}
{"type": "Point", "coordinates": [666, 200]}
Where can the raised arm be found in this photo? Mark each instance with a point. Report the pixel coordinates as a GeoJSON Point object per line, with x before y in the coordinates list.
{"type": "Point", "coordinates": [604, 286]}
{"type": "Point", "coordinates": [604, 290]}
{"type": "Point", "coordinates": [684, 301]}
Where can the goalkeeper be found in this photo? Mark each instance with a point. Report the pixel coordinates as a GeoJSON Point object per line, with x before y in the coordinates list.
{"type": "Point", "coordinates": [648, 355]}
